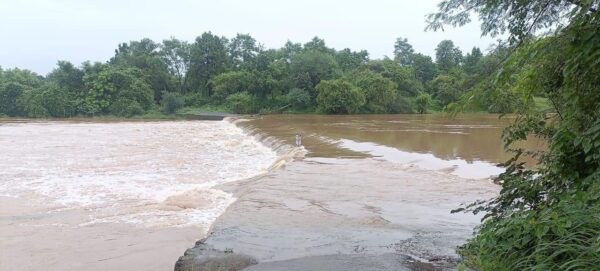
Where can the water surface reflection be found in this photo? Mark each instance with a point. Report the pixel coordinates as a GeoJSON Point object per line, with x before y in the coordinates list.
{"type": "Point", "coordinates": [469, 137]}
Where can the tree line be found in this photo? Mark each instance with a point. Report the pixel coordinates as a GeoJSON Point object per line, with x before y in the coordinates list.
{"type": "Point", "coordinates": [241, 76]}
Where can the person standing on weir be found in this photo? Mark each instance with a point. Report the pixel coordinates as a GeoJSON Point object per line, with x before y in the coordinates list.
{"type": "Point", "coordinates": [298, 140]}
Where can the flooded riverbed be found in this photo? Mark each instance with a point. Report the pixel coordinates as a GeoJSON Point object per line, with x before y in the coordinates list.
{"type": "Point", "coordinates": [133, 195]}
{"type": "Point", "coordinates": [372, 193]}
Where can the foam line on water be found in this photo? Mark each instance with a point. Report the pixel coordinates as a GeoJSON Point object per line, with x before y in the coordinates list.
{"type": "Point", "coordinates": [458, 167]}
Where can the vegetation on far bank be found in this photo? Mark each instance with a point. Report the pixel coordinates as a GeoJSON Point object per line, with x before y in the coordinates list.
{"type": "Point", "coordinates": [239, 75]}
{"type": "Point", "coordinates": [547, 217]}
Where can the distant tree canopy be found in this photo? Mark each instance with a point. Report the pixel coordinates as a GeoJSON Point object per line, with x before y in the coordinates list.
{"type": "Point", "coordinates": [209, 70]}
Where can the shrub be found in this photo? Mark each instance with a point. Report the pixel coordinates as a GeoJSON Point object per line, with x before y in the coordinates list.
{"type": "Point", "coordinates": [138, 91]}
{"type": "Point", "coordinates": [9, 96]}
{"type": "Point", "coordinates": [564, 237]}
{"type": "Point", "coordinates": [422, 102]}
{"type": "Point", "coordinates": [240, 103]}
{"type": "Point", "coordinates": [126, 108]}
{"type": "Point", "coordinates": [232, 82]}
{"type": "Point", "coordinates": [57, 101]}
{"type": "Point", "coordinates": [445, 88]}
{"type": "Point", "coordinates": [339, 97]}
{"type": "Point", "coordinates": [374, 109]}
{"type": "Point", "coordinates": [402, 105]}
{"type": "Point", "coordinates": [380, 92]}
{"type": "Point", "coordinates": [298, 98]}
{"type": "Point", "coordinates": [33, 104]}
{"type": "Point", "coordinates": [195, 99]}
{"type": "Point", "coordinates": [171, 102]}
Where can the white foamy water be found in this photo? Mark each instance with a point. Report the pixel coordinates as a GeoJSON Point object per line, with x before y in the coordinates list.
{"type": "Point", "coordinates": [148, 173]}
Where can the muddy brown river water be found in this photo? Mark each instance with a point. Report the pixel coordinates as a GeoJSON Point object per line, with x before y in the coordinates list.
{"type": "Point", "coordinates": [470, 137]}
{"type": "Point", "coordinates": [129, 195]}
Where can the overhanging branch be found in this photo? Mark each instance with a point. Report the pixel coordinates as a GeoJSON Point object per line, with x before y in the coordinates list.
{"type": "Point", "coordinates": [578, 3]}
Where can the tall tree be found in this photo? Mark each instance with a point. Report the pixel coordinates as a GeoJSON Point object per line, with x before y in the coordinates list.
{"type": "Point", "coordinates": [447, 56]}
{"type": "Point", "coordinates": [350, 60]}
{"type": "Point", "coordinates": [145, 56]}
{"type": "Point", "coordinates": [471, 59]}
{"type": "Point", "coordinates": [67, 76]}
{"type": "Point", "coordinates": [445, 88]}
{"type": "Point", "coordinates": [403, 77]}
{"type": "Point", "coordinates": [15, 83]}
{"type": "Point", "coordinates": [243, 50]}
{"type": "Point", "coordinates": [208, 58]}
{"type": "Point", "coordinates": [380, 92]}
{"type": "Point", "coordinates": [289, 50]}
{"type": "Point", "coordinates": [318, 44]}
{"type": "Point", "coordinates": [403, 51]}
{"type": "Point", "coordinates": [309, 68]}
{"type": "Point", "coordinates": [424, 68]}
{"type": "Point", "coordinates": [176, 54]}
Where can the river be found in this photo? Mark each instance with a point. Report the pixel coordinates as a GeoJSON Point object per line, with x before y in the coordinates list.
{"type": "Point", "coordinates": [106, 195]}
{"type": "Point", "coordinates": [131, 195]}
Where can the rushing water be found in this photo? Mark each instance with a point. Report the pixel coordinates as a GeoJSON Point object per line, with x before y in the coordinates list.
{"type": "Point", "coordinates": [147, 173]}
{"type": "Point", "coordinates": [369, 186]}
{"type": "Point", "coordinates": [124, 192]}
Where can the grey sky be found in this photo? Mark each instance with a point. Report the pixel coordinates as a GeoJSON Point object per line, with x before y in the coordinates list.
{"type": "Point", "coordinates": [34, 34]}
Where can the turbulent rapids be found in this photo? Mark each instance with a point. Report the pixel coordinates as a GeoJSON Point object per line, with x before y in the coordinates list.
{"type": "Point", "coordinates": [147, 173]}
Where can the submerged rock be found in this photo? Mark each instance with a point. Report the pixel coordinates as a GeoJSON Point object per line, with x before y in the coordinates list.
{"type": "Point", "coordinates": [203, 257]}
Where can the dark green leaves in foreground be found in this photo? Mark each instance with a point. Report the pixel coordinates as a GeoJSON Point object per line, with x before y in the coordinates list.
{"type": "Point", "coordinates": [547, 216]}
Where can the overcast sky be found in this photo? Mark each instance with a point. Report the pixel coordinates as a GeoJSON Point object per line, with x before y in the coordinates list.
{"type": "Point", "coordinates": [34, 34]}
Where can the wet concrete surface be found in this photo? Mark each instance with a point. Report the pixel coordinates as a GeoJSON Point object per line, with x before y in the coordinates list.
{"type": "Point", "coordinates": [347, 214]}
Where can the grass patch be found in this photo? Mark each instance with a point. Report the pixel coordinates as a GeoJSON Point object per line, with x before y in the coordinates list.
{"type": "Point", "coordinates": [203, 109]}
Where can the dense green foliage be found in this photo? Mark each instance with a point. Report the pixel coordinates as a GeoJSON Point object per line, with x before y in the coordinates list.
{"type": "Point", "coordinates": [547, 217]}
{"type": "Point", "coordinates": [422, 102]}
{"type": "Point", "coordinates": [379, 92]}
{"type": "Point", "coordinates": [171, 102]}
{"type": "Point", "coordinates": [339, 97]}
{"type": "Point", "coordinates": [298, 98]}
{"type": "Point", "coordinates": [146, 76]}
{"type": "Point", "coordinates": [240, 103]}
